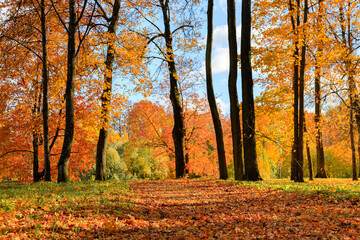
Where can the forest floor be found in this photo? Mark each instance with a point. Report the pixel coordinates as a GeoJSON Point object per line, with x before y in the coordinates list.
{"type": "Point", "coordinates": [182, 209]}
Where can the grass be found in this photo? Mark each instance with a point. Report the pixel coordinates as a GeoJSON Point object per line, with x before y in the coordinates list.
{"type": "Point", "coordinates": [52, 210]}
{"type": "Point", "coordinates": [52, 196]}
{"type": "Point", "coordinates": [93, 209]}
{"type": "Point", "coordinates": [333, 188]}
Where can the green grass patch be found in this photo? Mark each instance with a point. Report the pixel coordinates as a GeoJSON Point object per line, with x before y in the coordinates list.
{"type": "Point", "coordinates": [53, 196]}
{"type": "Point", "coordinates": [331, 188]}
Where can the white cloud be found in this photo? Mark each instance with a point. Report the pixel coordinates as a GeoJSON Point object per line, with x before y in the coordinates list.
{"type": "Point", "coordinates": [224, 107]}
{"type": "Point", "coordinates": [220, 37]}
{"type": "Point", "coordinates": [220, 56]}
{"type": "Point", "coordinates": [220, 61]}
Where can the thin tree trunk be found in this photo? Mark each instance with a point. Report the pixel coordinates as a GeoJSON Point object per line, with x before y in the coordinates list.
{"type": "Point", "coordinates": [63, 164]}
{"type": "Point", "coordinates": [35, 145]}
{"type": "Point", "coordinates": [352, 85]}
{"type": "Point", "coordinates": [298, 87]}
{"type": "Point", "coordinates": [211, 95]}
{"type": "Point", "coordinates": [319, 142]}
{"type": "Point", "coordinates": [309, 161]}
{"type": "Point", "coordinates": [320, 158]}
{"type": "Point", "coordinates": [357, 118]}
{"type": "Point", "coordinates": [45, 78]}
{"type": "Point", "coordinates": [352, 140]}
{"type": "Point", "coordinates": [308, 153]}
{"type": "Point", "coordinates": [36, 138]}
{"type": "Point", "coordinates": [347, 43]}
{"type": "Point", "coordinates": [178, 130]}
{"type": "Point", "coordinates": [100, 173]}
{"type": "Point", "coordinates": [295, 84]}
{"type": "Point", "coordinates": [358, 124]}
{"type": "Point", "coordinates": [234, 102]}
{"type": "Point", "coordinates": [352, 123]}
{"type": "Point", "coordinates": [300, 172]}
{"type": "Point", "coordinates": [248, 111]}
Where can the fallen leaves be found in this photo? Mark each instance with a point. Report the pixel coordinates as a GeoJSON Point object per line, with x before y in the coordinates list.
{"type": "Point", "coordinates": [182, 209]}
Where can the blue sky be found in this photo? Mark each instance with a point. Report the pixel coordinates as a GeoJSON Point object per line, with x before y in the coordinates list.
{"type": "Point", "coordinates": [220, 56]}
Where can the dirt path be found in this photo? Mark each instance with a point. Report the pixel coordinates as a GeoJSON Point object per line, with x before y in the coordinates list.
{"type": "Point", "coordinates": [188, 209]}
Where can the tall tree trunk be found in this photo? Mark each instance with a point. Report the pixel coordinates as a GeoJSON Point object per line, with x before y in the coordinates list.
{"type": "Point", "coordinates": [297, 161]}
{"type": "Point", "coordinates": [357, 118]}
{"type": "Point", "coordinates": [211, 95]}
{"type": "Point", "coordinates": [348, 45]}
{"type": "Point", "coordinates": [45, 78]}
{"type": "Point", "coordinates": [248, 111]}
{"type": "Point", "coordinates": [100, 173]}
{"type": "Point", "coordinates": [308, 153]}
{"type": "Point", "coordinates": [358, 128]}
{"type": "Point", "coordinates": [36, 138]}
{"type": "Point", "coordinates": [352, 123]}
{"type": "Point", "coordinates": [300, 172]}
{"type": "Point", "coordinates": [63, 164]}
{"type": "Point", "coordinates": [320, 158]}
{"type": "Point", "coordinates": [35, 145]}
{"type": "Point", "coordinates": [234, 102]}
{"type": "Point", "coordinates": [295, 21]}
{"type": "Point", "coordinates": [178, 130]}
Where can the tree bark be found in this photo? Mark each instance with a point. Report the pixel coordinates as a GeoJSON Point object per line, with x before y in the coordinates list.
{"type": "Point", "coordinates": [358, 128]}
{"type": "Point", "coordinates": [352, 123]}
{"type": "Point", "coordinates": [211, 95]}
{"type": "Point", "coordinates": [320, 158]}
{"type": "Point", "coordinates": [100, 173]}
{"type": "Point", "coordinates": [348, 45]}
{"type": "Point", "coordinates": [295, 84]}
{"type": "Point", "coordinates": [179, 129]}
{"type": "Point", "coordinates": [300, 165]}
{"type": "Point", "coordinates": [45, 78]}
{"type": "Point", "coordinates": [248, 110]}
{"type": "Point", "coordinates": [35, 144]}
{"type": "Point", "coordinates": [36, 137]}
{"type": "Point", "coordinates": [234, 102]}
{"type": "Point", "coordinates": [298, 86]}
{"type": "Point", "coordinates": [63, 164]}
{"type": "Point", "coordinates": [308, 154]}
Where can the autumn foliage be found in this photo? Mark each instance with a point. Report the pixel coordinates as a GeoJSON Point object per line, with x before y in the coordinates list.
{"type": "Point", "coordinates": [310, 46]}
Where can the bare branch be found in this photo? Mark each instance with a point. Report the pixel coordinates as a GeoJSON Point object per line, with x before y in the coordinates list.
{"type": "Point", "coordinates": [58, 14]}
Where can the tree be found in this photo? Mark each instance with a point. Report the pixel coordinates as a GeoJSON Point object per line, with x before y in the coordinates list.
{"type": "Point", "coordinates": [211, 96]}
{"type": "Point", "coordinates": [347, 42]}
{"type": "Point", "coordinates": [72, 52]}
{"type": "Point", "coordinates": [45, 80]}
{"type": "Point", "coordinates": [345, 39]}
{"type": "Point", "coordinates": [178, 130]}
{"type": "Point", "coordinates": [26, 11]}
{"type": "Point", "coordinates": [165, 41]}
{"type": "Point", "coordinates": [248, 107]}
{"type": "Point", "coordinates": [234, 102]}
{"type": "Point", "coordinates": [298, 87]}
{"type": "Point", "coordinates": [106, 95]}
{"type": "Point", "coordinates": [319, 55]}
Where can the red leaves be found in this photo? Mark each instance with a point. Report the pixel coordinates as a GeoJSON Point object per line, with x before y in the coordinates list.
{"type": "Point", "coordinates": [185, 209]}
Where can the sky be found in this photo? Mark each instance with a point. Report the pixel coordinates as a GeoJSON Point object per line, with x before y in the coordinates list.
{"type": "Point", "coordinates": [220, 55]}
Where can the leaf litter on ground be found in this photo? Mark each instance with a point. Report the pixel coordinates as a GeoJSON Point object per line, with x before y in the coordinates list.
{"type": "Point", "coordinates": [182, 209]}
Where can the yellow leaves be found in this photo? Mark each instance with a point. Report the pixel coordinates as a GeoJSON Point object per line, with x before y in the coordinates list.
{"type": "Point", "coordinates": [46, 208]}
{"type": "Point", "coordinates": [112, 226]}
